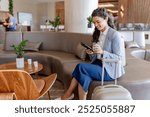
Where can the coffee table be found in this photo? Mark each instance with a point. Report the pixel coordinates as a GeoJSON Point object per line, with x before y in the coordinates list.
{"type": "Point", "coordinates": [28, 68]}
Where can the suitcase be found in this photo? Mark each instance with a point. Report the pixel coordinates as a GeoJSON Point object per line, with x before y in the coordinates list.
{"type": "Point", "coordinates": [110, 91]}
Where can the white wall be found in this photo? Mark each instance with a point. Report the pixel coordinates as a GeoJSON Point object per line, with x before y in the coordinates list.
{"type": "Point", "coordinates": [42, 13]}
{"type": "Point", "coordinates": [51, 10]}
{"type": "Point", "coordinates": [45, 11]}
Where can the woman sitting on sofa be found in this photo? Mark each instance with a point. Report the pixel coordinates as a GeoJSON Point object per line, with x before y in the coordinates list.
{"type": "Point", "coordinates": [107, 43]}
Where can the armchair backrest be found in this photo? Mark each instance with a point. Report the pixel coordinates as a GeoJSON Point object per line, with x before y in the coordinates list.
{"type": "Point", "coordinates": [18, 82]}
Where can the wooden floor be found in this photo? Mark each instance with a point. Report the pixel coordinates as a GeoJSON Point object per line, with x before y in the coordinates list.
{"type": "Point", "coordinates": [56, 91]}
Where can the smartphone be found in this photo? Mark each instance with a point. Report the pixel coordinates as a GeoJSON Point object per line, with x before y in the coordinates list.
{"type": "Point", "coordinates": [86, 46]}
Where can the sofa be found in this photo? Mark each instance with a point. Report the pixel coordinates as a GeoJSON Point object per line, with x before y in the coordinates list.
{"type": "Point", "coordinates": [58, 53]}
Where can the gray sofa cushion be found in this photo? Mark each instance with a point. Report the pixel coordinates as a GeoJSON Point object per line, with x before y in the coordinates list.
{"type": "Point", "coordinates": [80, 52]}
{"type": "Point", "coordinates": [33, 46]}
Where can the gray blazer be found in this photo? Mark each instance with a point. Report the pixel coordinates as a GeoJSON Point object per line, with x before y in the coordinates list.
{"type": "Point", "coordinates": [113, 49]}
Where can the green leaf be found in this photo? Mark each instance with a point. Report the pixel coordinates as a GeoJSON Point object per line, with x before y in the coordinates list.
{"type": "Point", "coordinates": [56, 22]}
{"type": "Point", "coordinates": [20, 48]}
{"type": "Point", "coordinates": [90, 19]}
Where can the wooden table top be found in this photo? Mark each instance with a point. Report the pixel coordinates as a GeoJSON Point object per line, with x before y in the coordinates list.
{"type": "Point", "coordinates": [28, 68]}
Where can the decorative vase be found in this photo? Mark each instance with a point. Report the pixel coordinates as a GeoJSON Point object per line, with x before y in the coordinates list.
{"type": "Point", "coordinates": [20, 62]}
{"type": "Point", "coordinates": [90, 28]}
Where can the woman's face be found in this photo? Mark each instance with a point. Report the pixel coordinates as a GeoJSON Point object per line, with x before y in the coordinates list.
{"type": "Point", "coordinates": [100, 23]}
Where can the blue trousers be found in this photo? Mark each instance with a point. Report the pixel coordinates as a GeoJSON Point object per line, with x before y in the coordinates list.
{"type": "Point", "coordinates": [85, 73]}
{"type": "Point", "coordinates": [10, 29]}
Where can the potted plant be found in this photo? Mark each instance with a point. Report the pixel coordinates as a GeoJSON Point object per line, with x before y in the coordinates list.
{"type": "Point", "coordinates": [55, 23]}
{"type": "Point", "coordinates": [11, 7]}
{"type": "Point", "coordinates": [19, 49]}
{"type": "Point", "coordinates": [90, 21]}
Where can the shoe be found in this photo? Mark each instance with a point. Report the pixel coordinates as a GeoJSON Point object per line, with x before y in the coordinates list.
{"type": "Point", "coordinates": [69, 98]}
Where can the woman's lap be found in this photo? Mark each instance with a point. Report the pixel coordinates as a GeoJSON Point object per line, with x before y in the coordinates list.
{"type": "Point", "coordinates": [85, 73]}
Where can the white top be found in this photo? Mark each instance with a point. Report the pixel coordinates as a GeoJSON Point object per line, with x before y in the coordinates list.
{"type": "Point", "coordinates": [101, 41]}
{"type": "Point", "coordinates": [102, 38]}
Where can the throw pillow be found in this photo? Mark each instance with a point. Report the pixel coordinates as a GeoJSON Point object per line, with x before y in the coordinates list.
{"type": "Point", "coordinates": [80, 52]}
{"type": "Point", "coordinates": [131, 44]}
{"type": "Point", "coordinates": [33, 46]}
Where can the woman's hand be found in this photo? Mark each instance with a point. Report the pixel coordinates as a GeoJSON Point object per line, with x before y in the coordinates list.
{"type": "Point", "coordinates": [88, 51]}
{"type": "Point", "coordinates": [4, 23]}
{"type": "Point", "coordinates": [97, 49]}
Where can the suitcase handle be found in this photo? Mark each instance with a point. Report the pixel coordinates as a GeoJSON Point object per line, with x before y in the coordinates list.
{"type": "Point", "coordinates": [111, 86]}
{"type": "Point", "coordinates": [110, 61]}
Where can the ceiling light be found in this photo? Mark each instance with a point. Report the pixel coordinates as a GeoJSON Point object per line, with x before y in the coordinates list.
{"type": "Point", "coordinates": [112, 11]}
{"type": "Point", "coordinates": [106, 5]}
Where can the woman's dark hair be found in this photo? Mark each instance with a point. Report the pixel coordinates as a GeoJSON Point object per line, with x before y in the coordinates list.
{"type": "Point", "coordinates": [101, 12]}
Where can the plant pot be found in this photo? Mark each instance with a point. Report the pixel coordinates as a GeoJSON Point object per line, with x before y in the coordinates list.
{"type": "Point", "coordinates": [89, 25]}
{"type": "Point", "coordinates": [20, 62]}
{"type": "Point", "coordinates": [56, 29]}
